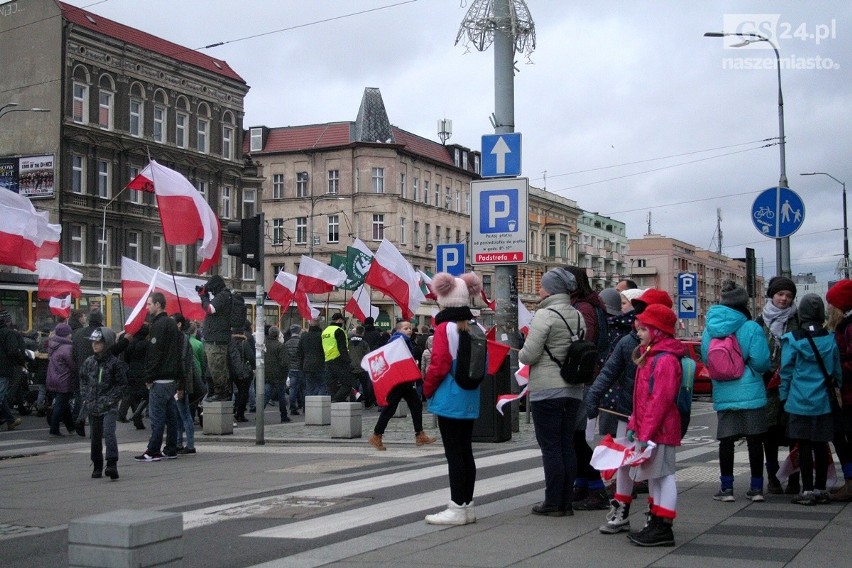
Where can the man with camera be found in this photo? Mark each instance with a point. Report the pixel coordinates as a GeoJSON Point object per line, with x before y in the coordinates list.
{"type": "Point", "coordinates": [217, 334]}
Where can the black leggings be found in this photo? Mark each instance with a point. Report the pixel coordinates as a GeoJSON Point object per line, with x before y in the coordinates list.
{"type": "Point", "coordinates": [457, 436]}
{"type": "Point", "coordinates": [412, 399]}
{"type": "Point", "coordinates": [810, 454]}
{"type": "Point", "coordinates": [755, 455]}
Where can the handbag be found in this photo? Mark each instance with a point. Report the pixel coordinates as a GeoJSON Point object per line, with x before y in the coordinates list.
{"type": "Point", "coordinates": [834, 399]}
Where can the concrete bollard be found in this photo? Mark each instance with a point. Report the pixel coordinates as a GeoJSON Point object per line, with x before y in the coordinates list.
{"type": "Point", "coordinates": [346, 419]}
{"type": "Point", "coordinates": [430, 420]}
{"type": "Point", "coordinates": [126, 538]}
{"type": "Point", "coordinates": [401, 410]}
{"type": "Point", "coordinates": [219, 417]}
{"type": "Point", "coordinates": [317, 410]}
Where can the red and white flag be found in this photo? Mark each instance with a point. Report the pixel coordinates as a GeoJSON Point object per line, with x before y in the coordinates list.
{"type": "Point", "coordinates": [184, 213]}
{"type": "Point", "coordinates": [524, 317]}
{"type": "Point", "coordinates": [426, 280]}
{"type": "Point", "coordinates": [392, 275]}
{"type": "Point", "coordinates": [55, 280]}
{"type": "Point", "coordinates": [283, 291]}
{"type": "Point", "coordinates": [522, 376]}
{"type": "Point", "coordinates": [497, 353]}
{"type": "Point", "coordinates": [611, 454]}
{"type": "Point", "coordinates": [490, 303]}
{"type": "Point", "coordinates": [389, 366]}
{"type": "Point", "coordinates": [359, 305]}
{"type": "Point", "coordinates": [140, 309]}
{"type": "Point", "coordinates": [318, 278]}
{"type": "Point", "coordinates": [60, 307]}
{"type": "Point", "coordinates": [26, 235]}
{"type": "Point", "coordinates": [362, 246]}
{"type": "Point", "coordinates": [180, 293]}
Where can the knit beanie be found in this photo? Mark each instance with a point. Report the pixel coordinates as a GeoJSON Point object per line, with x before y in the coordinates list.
{"type": "Point", "coordinates": [558, 281]}
{"type": "Point", "coordinates": [632, 294]}
{"type": "Point", "coordinates": [272, 333]}
{"type": "Point", "coordinates": [612, 300]}
{"type": "Point", "coordinates": [778, 284]}
{"type": "Point", "coordinates": [840, 295]}
{"type": "Point", "coordinates": [295, 329]}
{"type": "Point", "coordinates": [811, 310]}
{"type": "Point", "coordinates": [734, 296]}
{"type": "Point", "coordinates": [652, 296]}
{"type": "Point", "coordinates": [452, 292]}
{"type": "Point", "coordinates": [63, 330]}
{"type": "Point", "coordinates": [96, 318]}
{"type": "Point", "coordinates": [660, 317]}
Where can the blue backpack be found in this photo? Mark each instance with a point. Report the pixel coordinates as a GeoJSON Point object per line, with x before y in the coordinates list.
{"type": "Point", "coordinates": [684, 393]}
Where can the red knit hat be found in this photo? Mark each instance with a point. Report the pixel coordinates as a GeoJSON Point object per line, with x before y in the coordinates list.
{"type": "Point", "coordinates": [652, 296]}
{"type": "Point", "coordinates": [660, 317]}
{"type": "Point", "coordinates": [840, 295]}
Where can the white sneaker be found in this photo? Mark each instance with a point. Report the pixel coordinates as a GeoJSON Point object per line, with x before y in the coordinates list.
{"type": "Point", "coordinates": [452, 515]}
{"type": "Point", "coordinates": [470, 515]}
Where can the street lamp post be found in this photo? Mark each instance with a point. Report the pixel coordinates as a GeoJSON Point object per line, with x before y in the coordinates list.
{"type": "Point", "coordinates": [846, 266]}
{"type": "Point", "coordinates": [782, 245]}
{"type": "Point", "coordinates": [10, 107]}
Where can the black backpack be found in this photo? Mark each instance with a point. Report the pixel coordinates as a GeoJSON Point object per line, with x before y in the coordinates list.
{"type": "Point", "coordinates": [472, 358]}
{"type": "Point", "coordinates": [580, 360]}
{"type": "Point", "coordinates": [239, 311]}
{"type": "Point", "coordinates": [603, 343]}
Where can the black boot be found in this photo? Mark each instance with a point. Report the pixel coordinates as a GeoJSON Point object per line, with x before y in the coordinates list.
{"type": "Point", "coordinates": [97, 471]}
{"type": "Point", "coordinates": [657, 533]}
{"type": "Point", "coordinates": [111, 470]}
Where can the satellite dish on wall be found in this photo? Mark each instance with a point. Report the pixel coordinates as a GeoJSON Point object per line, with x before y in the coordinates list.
{"type": "Point", "coordinates": [429, 247]}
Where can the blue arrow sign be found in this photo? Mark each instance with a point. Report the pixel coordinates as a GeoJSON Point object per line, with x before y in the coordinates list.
{"type": "Point", "coordinates": [501, 155]}
{"type": "Point", "coordinates": [778, 212]}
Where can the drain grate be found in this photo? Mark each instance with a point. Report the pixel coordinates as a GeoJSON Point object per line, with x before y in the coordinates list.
{"type": "Point", "coordinates": [17, 530]}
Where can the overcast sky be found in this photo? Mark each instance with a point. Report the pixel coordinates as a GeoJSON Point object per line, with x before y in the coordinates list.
{"type": "Point", "coordinates": [623, 104]}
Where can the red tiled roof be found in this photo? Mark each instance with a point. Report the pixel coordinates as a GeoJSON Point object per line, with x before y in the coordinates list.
{"type": "Point", "coordinates": [147, 41]}
{"type": "Point", "coordinates": [422, 146]}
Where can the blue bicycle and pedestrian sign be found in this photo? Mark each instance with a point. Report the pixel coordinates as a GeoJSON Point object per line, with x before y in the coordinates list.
{"type": "Point", "coordinates": [778, 212]}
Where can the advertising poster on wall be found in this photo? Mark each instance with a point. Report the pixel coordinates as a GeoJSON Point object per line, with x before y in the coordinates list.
{"type": "Point", "coordinates": [35, 176]}
{"type": "Point", "coordinates": [9, 173]}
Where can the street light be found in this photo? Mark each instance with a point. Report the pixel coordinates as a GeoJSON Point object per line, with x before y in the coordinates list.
{"type": "Point", "coordinates": [846, 266]}
{"type": "Point", "coordinates": [7, 108]}
{"type": "Point", "coordinates": [782, 245]}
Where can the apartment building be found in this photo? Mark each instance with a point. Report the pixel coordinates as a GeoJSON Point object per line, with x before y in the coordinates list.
{"type": "Point", "coordinates": [602, 249]}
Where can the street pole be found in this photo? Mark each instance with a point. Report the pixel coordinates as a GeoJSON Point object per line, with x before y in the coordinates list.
{"type": "Point", "coordinates": [782, 245]}
{"type": "Point", "coordinates": [260, 343]}
{"type": "Point", "coordinates": [846, 266]}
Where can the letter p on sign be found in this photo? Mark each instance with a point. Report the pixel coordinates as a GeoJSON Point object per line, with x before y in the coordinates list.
{"type": "Point", "coordinates": [450, 258]}
{"type": "Point", "coordinates": [498, 211]}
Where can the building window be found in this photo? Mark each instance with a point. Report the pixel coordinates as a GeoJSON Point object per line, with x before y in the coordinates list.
{"type": "Point", "coordinates": [551, 246]}
{"type": "Point", "coordinates": [180, 258]}
{"type": "Point", "coordinates": [448, 197]}
{"type": "Point", "coordinates": [426, 192]}
{"type": "Point", "coordinates": [104, 168]}
{"type": "Point", "coordinates": [378, 227]}
{"type": "Point", "coordinates": [135, 196]}
{"type": "Point", "coordinates": [256, 139]}
{"type": "Point", "coordinates": [202, 186]}
{"type": "Point", "coordinates": [457, 157]}
{"type": "Point", "coordinates": [302, 184]}
{"type": "Point", "coordinates": [437, 234]}
{"type": "Point", "coordinates": [414, 193]}
{"type": "Point", "coordinates": [334, 181]}
{"type": "Point", "coordinates": [563, 246]}
{"type": "Point", "coordinates": [334, 228]}
{"type": "Point", "coordinates": [476, 163]}
{"type": "Point", "coordinates": [415, 239]}
{"type": "Point", "coordinates": [249, 203]}
{"type": "Point", "coordinates": [78, 174]}
{"type": "Point", "coordinates": [103, 249]}
{"type": "Point", "coordinates": [78, 250]}
{"type": "Point", "coordinates": [248, 272]}
{"type": "Point", "coordinates": [228, 142]}
{"type": "Point", "coordinates": [157, 251]}
{"type": "Point", "coordinates": [301, 230]}
{"type": "Point", "coordinates": [80, 103]}
{"type": "Point", "coordinates": [105, 99]}
{"type": "Point", "coordinates": [402, 237]}
{"type": "Point", "coordinates": [135, 117]}
{"type": "Point", "coordinates": [203, 141]}
{"type": "Point", "coordinates": [181, 121]}
{"type": "Point", "coordinates": [226, 265]}
{"type": "Point", "coordinates": [278, 231]}
{"type": "Point", "coordinates": [225, 204]}
{"type": "Point", "coordinates": [402, 185]}
{"type": "Point", "coordinates": [464, 160]}
{"type": "Point", "coordinates": [447, 239]}
{"type": "Point", "coordinates": [378, 180]}
{"type": "Point", "coordinates": [133, 245]}
{"type": "Point", "coordinates": [438, 193]}
{"type": "Point", "coordinates": [486, 285]}
{"type": "Point", "coordinates": [159, 133]}
{"type": "Point", "coordinates": [427, 233]}
{"type": "Point", "coordinates": [277, 186]}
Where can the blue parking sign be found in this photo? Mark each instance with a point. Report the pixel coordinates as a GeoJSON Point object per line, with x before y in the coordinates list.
{"type": "Point", "coordinates": [450, 258]}
{"type": "Point", "coordinates": [498, 211]}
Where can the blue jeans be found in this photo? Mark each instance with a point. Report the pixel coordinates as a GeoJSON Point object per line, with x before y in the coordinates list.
{"type": "Point", "coordinates": [61, 412]}
{"type": "Point", "coordinates": [185, 423]}
{"type": "Point", "coordinates": [162, 408]}
{"type": "Point", "coordinates": [554, 420]}
{"type": "Point", "coordinates": [5, 412]}
{"type": "Point", "coordinates": [297, 389]}
{"type": "Point", "coordinates": [103, 428]}
{"type": "Point", "coordinates": [315, 383]}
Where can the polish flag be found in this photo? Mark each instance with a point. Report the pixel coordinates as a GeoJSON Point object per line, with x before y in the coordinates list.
{"type": "Point", "coordinates": [490, 303]}
{"type": "Point", "coordinates": [611, 454]}
{"type": "Point", "coordinates": [318, 278]}
{"type": "Point", "coordinates": [491, 333]}
{"type": "Point", "coordinates": [179, 291]}
{"type": "Point", "coordinates": [26, 234]}
{"type": "Point", "coordinates": [185, 215]}
{"type": "Point", "coordinates": [60, 307]}
{"type": "Point", "coordinates": [425, 280]}
{"type": "Point", "coordinates": [362, 246]}
{"type": "Point", "coordinates": [524, 318]}
{"type": "Point", "coordinates": [283, 291]}
{"type": "Point", "coordinates": [359, 305]}
{"type": "Point", "coordinates": [522, 377]}
{"type": "Point", "coordinates": [56, 279]}
{"type": "Point", "coordinates": [140, 310]}
{"type": "Point", "coordinates": [496, 355]}
{"type": "Point", "coordinates": [388, 366]}
{"type": "Point", "coordinates": [392, 275]}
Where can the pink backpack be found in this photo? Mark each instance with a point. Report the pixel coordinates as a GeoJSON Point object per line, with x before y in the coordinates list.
{"type": "Point", "coordinates": [725, 359]}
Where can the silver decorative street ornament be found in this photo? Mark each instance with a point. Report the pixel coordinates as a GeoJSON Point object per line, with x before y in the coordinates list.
{"type": "Point", "coordinates": [480, 23]}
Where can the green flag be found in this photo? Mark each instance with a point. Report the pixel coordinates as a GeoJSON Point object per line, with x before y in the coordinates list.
{"type": "Point", "coordinates": [355, 263]}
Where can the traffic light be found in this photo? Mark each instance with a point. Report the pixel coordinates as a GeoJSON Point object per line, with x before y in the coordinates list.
{"type": "Point", "coordinates": [250, 246]}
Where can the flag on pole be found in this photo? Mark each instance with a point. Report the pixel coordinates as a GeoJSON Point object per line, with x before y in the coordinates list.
{"type": "Point", "coordinates": [317, 278]}
{"type": "Point", "coordinates": [426, 285]}
{"type": "Point", "coordinates": [25, 234]}
{"type": "Point", "coordinates": [389, 366]}
{"type": "Point", "coordinates": [490, 303]}
{"type": "Point", "coordinates": [392, 275]}
{"type": "Point", "coordinates": [56, 279]}
{"type": "Point", "coordinates": [357, 266]}
{"type": "Point", "coordinates": [184, 213]}
{"type": "Point", "coordinates": [134, 287]}
{"type": "Point", "coordinates": [524, 317]}
{"type": "Point", "coordinates": [140, 310]}
{"type": "Point", "coordinates": [359, 305]}
{"type": "Point", "coordinates": [60, 306]}
{"type": "Point", "coordinates": [283, 291]}
{"type": "Point", "coordinates": [611, 454]}
{"type": "Point", "coordinates": [522, 377]}
{"type": "Point", "coordinates": [496, 355]}
{"type": "Point", "coordinates": [362, 246]}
